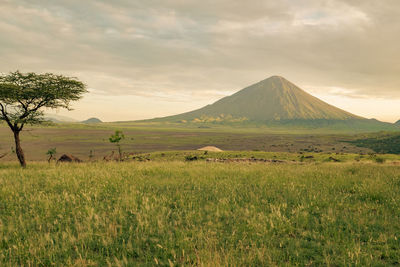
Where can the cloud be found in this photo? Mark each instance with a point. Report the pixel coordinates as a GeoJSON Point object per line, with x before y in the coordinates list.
{"type": "Point", "coordinates": [187, 49]}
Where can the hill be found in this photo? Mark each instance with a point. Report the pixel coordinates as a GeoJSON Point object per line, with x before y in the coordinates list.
{"type": "Point", "coordinates": [397, 122]}
{"type": "Point", "coordinates": [92, 120]}
{"type": "Point", "coordinates": [276, 101]}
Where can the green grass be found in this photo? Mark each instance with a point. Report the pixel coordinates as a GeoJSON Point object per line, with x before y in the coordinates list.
{"type": "Point", "coordinates": [380, 143]}
{"type": "Point", "coordinates": [200, 213]}
{"type": "Point", "coordinates": [302, 157]}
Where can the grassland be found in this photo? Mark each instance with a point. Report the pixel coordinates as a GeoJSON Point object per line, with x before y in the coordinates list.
{"type": "Point", "coordinates": [381, 143]}
{"type": "Point", "coordinates": [276, 197]}
{"type": "Point", "coordinates": [79, 140]}
{"type": "Point", "coordinates": [172, 212]}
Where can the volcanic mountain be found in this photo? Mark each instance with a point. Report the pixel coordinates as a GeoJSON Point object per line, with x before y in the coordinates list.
{"type": "Point", "coordinates": [272, 101]}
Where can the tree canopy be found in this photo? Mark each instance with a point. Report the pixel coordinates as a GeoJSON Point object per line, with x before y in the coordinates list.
{"type": "Point", "coordinates": [23, 95]}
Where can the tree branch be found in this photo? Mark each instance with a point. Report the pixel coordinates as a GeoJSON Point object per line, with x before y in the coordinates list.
{"type": "Point", "coordinates": [28, 112]}
{"type": "Point", "coordinates": [21, 127]}
{"type": "Point", "coordinates": [4, 113]}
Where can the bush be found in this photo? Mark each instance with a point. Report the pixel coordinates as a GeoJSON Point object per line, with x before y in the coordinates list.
{"type": "Point", "coordinates": [379, 160]}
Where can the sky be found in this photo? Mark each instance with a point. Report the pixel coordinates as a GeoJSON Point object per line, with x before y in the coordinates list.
{"type": "Point", "coordinates": [153, 58]}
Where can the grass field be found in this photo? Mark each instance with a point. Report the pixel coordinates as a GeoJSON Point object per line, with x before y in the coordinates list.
{"type": "Point", "coordinates": [174, 212]}
{"type": "Point", "coordinates": [79, 139]}
{"type": "Point", "coordinates": [275, 197]}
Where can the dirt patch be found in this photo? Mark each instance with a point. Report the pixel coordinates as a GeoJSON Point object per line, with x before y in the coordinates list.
{"type": "Point", "coordinates": [210, 148]}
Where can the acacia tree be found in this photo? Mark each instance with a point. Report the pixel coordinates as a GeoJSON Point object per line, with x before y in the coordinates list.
{"type": "Point", "coordinates": [23, 96]}
{"type": "Point", "coordinates": [51, 154]}
{"type": "Point", "coordinates": [115, 139]}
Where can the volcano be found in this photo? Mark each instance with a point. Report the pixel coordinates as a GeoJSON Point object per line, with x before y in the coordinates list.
{"type": "Point", "coordinates": [273, 101]}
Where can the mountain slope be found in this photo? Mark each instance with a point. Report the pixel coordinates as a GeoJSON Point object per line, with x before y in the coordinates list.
{"type": "Point", "coordinates": [273, 99]}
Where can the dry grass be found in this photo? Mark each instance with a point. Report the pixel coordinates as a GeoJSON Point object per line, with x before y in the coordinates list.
{"type": "Point", "coordinates": [199, 213]}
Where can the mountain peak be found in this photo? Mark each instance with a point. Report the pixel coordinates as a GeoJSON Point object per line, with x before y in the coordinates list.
{"type": "Point", "coordinates": [275, 78]}
{"type": "Point", "coordinates": [275, 87]}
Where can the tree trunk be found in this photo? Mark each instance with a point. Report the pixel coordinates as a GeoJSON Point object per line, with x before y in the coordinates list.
{"type": "Point", "coordinates": [18, 150]}
{"type": "Point", "coordinates": [120, 152]}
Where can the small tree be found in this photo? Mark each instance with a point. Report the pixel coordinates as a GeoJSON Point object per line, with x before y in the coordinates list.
{"type": "Point", "coordinates": [24, 96]}
{"type": "Point", "coordinates": [91, 155]}
{"type": "Point", "coordinates": [115, 139]}
{"type": "Point", "coordinates": [51, 153]}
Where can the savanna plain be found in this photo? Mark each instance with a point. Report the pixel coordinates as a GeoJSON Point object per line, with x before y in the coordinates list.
{"type": "Point", "coordinates": [327, 203]}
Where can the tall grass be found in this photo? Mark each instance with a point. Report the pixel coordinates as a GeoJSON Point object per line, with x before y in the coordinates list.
{"type": "Point", "coordinates": [199, 213]}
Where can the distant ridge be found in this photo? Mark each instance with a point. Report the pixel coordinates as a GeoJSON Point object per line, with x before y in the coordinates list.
{"type": "Point", "coordinates": [275, 101]}
{"type": "Point", "coordinates": [397, 122]}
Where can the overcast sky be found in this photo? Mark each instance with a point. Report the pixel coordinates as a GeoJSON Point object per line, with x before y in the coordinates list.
{"type": "Point", "coordinates": [149, 58]}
